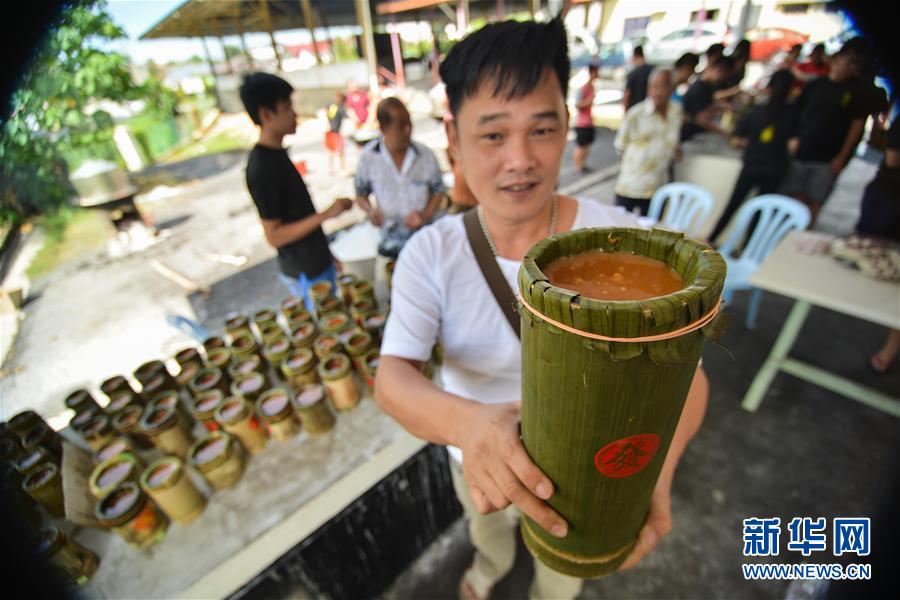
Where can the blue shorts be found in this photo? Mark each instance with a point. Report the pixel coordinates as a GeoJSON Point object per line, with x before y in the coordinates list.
{"type": "Point", "coordinates": [299, 286]}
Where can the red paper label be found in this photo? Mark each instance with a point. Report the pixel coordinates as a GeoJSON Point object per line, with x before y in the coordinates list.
{"type": "Point", "coordinates": [211, 425]}
{"type": "Point", "coordinates": [625, 457]}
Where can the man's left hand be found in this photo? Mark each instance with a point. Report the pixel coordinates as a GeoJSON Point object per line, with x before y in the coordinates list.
{"type": "Point", "coordinates": [656, 526]}
{"type": "Point", "coordinates": [415, 220]}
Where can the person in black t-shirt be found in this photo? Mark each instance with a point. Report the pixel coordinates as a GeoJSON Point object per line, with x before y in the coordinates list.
{"type": "Point", "coordinates": [731, 85]}
{"type": "Point", "coordinates": [699, 103]}
{"type": "Point", "coordinates": [763, 132]}
{"type": "Point", "coordinates": [831, 115]}
{"type": "Point", "coordinates": [289, 219]}
{"type": "Point", "coordinates": [636, 83]}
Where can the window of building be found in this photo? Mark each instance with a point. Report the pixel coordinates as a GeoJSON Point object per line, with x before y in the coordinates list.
{"type": "Point", "coordinates": [711, 15]}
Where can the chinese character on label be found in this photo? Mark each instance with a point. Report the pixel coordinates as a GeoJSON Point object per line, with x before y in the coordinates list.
{"type": "Point", "coordinates": [807, 535]}
{"type": "Point", "coordinates": [851, 536]}
{"type": "Point", "coordinates": [761, 536]}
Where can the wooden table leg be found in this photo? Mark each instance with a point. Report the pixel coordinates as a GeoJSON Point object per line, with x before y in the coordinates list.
{"type": "Point", "coordinates": [773, 363]}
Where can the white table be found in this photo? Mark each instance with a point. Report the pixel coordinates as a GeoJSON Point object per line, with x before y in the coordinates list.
{"type": "Point", "coordinates": [288, 491]}
{"type": "Point", "coordinates": [821, 281]}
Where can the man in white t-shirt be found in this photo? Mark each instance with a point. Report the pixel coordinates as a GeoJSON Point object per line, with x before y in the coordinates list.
{"type": "Point", "coordinates": [506, 88]}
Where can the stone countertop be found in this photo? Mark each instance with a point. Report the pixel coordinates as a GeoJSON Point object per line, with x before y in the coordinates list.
{"type": "Point", "coordinates": [276, 486]}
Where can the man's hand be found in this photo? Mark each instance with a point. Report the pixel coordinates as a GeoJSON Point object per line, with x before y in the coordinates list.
{"type": "Point", "coordinates": [499, 472]}
{"type": "Point", "coordinates": [656, 526]}
{"type": "Point", "coordinates": [338, 265]}
{"type": "Point", "coordinates": [415, 220]}
{"type": "Point", "coordinates": [377, 217]}
{"type": "Point", "coordinates": [339, 206]}
{"type": "Point", "coordinates": [792, 145]}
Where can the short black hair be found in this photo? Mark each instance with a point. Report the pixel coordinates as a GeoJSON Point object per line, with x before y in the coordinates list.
{"type": "Point", "coordinates": [638, 51]}
{"type": "Point", "coordinates": [741, 49]}
{"type": "Point", "coordinates": [263, 90]}
{"type": "Point", "coordinates": [820, 47]}
{"type": "Point", "coordinates": [688, 59]}
{"type": "Point", "coordinates": [383, 111]}
{"type": "Point", "coordinates": [515, 54]}
{"type": "Point", "coordinates": [861, 55]}
{"type": "Point", "coordinates": [716, 49]}
{"type": "Point", "coordinates": [726, 63]}
{"type": "Point", "coordinates": [797, 48]}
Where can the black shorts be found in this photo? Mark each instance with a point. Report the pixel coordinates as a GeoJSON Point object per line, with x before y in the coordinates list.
{"type": "Point", "coordinates": [584, 136]}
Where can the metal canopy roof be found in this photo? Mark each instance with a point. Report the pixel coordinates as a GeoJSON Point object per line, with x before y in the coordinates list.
{"type": "Point", "coordinates": [218, 18]}
{"type": "Point", "coordinates": [194, 18]}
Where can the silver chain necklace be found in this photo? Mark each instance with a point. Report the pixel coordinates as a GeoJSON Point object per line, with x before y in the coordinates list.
{"type": "Point", "coordinates": [554, 209]}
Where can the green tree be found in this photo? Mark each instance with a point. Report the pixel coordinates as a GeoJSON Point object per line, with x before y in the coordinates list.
{"type": "Point", "coordinates": [49, 114]}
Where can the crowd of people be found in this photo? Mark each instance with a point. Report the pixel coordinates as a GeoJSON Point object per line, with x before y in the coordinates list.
{"type": "Point", "coordinates": [507, 129]}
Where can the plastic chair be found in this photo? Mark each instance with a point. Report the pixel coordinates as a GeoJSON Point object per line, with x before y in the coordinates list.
{"type": "Point", "coordinates": [777, 215]}
{"type": "Point", "coordinates": [684, 203]}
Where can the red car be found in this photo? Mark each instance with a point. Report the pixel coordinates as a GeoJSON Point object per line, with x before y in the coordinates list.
{"type": "Point", "coordinates": [766, 42]}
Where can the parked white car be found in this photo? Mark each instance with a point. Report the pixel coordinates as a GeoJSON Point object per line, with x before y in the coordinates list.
{"type": "Point", "coordinates": [668, 48]}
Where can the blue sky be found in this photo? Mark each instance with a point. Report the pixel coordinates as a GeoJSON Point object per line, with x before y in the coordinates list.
{"type": "Point", "coordinates": [137, 16]}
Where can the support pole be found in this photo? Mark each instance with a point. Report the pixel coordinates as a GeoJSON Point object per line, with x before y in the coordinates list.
{"type": "Point", "coordinates": [267, 13]}
{"type": "Point", "coordinates": [364, 16]}
{"type": "Point", "coordinates": [311, 25]}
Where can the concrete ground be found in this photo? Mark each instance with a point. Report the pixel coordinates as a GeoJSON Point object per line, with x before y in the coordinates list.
{"type": "Point", "coordinates": [806, 452]}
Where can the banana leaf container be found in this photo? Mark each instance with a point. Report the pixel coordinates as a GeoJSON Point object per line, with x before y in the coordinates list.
{"type": "Point", "coordinates": [599, 413]}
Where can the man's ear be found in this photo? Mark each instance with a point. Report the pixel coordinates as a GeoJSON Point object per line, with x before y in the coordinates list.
{"type": "Point", "coordinates": [450, 128]}
{"type": "Point", "coordinates": [265, 115]}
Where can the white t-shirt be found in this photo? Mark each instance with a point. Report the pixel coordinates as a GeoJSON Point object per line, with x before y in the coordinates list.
{"type": "Point", "coordinates": [439, 294]}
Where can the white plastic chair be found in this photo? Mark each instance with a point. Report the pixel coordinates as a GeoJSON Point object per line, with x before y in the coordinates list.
{"type": "Point", "coordinates": [777, 215]}
{"type": "Point", "coordinates": [684, 203]}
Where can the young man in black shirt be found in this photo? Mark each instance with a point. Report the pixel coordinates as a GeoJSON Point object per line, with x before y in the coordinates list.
{"type": "Point", "coordinates": [763, 132]}
{"type": "Point", "coordinates": [699, 102]}
{"type": "Point", "coordinates": [831, 115]}
{"type": "Point", "coordinates": [636, 83]}
{"type": "Point", "coordinates": [289, 219]}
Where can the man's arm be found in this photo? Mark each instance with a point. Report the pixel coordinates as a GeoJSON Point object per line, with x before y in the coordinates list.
{"type": "Point", "coordinates": [705, 119]}
{"type": "Point", "coordinates": [372, 212]}
{"type": "Point", "coordinates": [854, 134]}
{"type": "Point", "coordinates": [280, 234]}
{"type": "Point", "coordinates": [496, 467]}
{"type": "Point", "coordinates": [622, 135]}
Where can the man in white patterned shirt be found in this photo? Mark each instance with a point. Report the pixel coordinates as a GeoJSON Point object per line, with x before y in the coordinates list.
{"type": "Point", "coordinates": [648, 142]}
{"type": "Point", "coordinates": [403, 175]}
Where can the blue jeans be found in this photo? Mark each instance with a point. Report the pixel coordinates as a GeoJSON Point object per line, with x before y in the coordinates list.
{"type": "Point", "coordinates": [299, 286]}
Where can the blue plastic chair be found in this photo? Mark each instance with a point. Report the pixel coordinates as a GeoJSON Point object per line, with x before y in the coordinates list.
{"type": "Point", "coordinates": [777, 216]}
{"type": "Point", "coordinates": [684, 203]}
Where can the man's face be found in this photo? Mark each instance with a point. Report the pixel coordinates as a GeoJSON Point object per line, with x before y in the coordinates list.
{"type": "Point", "coordinates": [282, 120]}
{"type": "Point", "coordinates": [510, 150]}
{"type": "Point", "coordinates": [682, 74]}
{"type": "Point", "coordinates": [841, 68]}
{"type": "Point", "coordinates": [718, 74]}
{"type": "Point", "coordinates": [398, 134]}
{"type": "Point", "coordinates": [659, 89]}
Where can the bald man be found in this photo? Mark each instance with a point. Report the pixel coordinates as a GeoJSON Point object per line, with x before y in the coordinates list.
{"type": "Point", "coordinates": [402, 175]}
{"type": "Point", "coordinates": [648, 142]}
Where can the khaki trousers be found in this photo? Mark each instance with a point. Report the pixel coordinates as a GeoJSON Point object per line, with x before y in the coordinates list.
{"type": "Point", "coordinates": [494, 538]}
